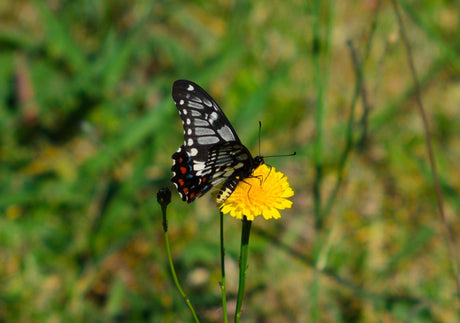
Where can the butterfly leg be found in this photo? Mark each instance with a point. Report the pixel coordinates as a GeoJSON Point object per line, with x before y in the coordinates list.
{"type": "Point", "coordinates": [261, 179]}
{"type": "Point", "coordinates": [230, 185]}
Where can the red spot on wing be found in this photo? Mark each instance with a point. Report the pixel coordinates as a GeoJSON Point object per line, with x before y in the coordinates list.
{"type": "Point", "coordinates": [183, 170]}
{"type": "Point", "coordinates": [180, 181]}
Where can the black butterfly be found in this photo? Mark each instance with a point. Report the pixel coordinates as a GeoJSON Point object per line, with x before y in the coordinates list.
{"type": "Point", "coordinates": [212, 153]}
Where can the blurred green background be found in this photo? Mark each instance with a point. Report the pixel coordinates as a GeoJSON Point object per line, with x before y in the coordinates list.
{"type": "Point", "coordinates": [88, 127]}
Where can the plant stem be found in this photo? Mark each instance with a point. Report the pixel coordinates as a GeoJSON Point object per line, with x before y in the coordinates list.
{"type": "Point", "coordinates": [222, 261]}
{"type": "Point", "coordinates": [245, 231]}
{"type": "Point", "coordinates": [171, 265]}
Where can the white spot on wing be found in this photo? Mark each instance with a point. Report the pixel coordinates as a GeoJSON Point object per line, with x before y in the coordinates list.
{"type": "Point", "coordinates": [239, 165]}
{"type": "Point", "coordinates": [226, 133]}
{"type": "Point", "coordinates": [213, 116]}
{"type": "Point", "coordinates": [196, 105]}
{"type": "Point", "coordinates": [181, 102]}
{"type": "Point", "coordinates": [189, 131]}
{"type": "Point", "coordinates": [208, 140]}
{"type": "Point", "coordinates": [200, 122]}
{"type": "Point", "coordinates": [188, 121]}
{"type": "Point", "coordinates": [242, 157]}
{"type": "Point", "coordinates": [190, 142]}
{"type": "Point", "coordinates": [193, 152]}
{"type": "Point", "coordinates": [184, 111]}
{"type": "Point", "coordinates": [190, 87]}
{"type": "Point", "coordinates": [198, 166]}
{"type": "Point", "coordinates": [228, 172]}
{"type": "Point", "coordinates": [207, 102]}
{"type": "Point", "coordinates": [200, 131]}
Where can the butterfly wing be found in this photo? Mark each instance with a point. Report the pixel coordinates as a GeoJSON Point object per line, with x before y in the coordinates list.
{"type": "Point", "coordinates": [212, 151]}
{"type": "Point", "coordinates": [225, 161]}
{"type": "Point", "coordinates": [205, 125]}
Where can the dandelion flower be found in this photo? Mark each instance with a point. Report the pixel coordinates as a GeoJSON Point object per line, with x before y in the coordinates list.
{"type": "Point", "coordinates": [264, 193]}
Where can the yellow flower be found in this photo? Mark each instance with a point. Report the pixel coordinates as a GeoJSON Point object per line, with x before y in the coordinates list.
{"type": "Point", "coordinates": [264, 193]}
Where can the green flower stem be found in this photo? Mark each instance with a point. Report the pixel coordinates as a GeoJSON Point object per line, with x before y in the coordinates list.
{"type": "Point", "coordinates": [164, 201]}
{"type": "Point", "coordinates": [222, 261]}
{"type": "Point", "coordinates": [176, 281]}
{"type": "Point", "coordinates": [246, 229]}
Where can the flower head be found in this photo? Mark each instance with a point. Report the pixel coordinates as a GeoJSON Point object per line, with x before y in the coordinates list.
{"type": "Point", "coordinates": [263, 193]}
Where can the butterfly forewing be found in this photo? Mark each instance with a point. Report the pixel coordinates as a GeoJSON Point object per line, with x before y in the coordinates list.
{"type": "Point", "coordinates": [212, 152]}
{"type": "Point", "coordinates": [205, 125]}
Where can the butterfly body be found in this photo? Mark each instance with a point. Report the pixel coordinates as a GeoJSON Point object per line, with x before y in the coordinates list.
{"type": "Point", "coordinates": [212, 153]}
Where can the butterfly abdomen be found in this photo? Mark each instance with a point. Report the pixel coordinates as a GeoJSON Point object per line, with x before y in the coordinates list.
{"type": "Point", "coordinates": [232, 182]}
{"type": "Point", "coordinates": [227, 189]}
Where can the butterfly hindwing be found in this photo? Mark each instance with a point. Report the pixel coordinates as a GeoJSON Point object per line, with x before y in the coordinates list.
{"type": "Point", "coordinates": [188, 184]}
{"type": "Point", "coordinates": [225, 160]}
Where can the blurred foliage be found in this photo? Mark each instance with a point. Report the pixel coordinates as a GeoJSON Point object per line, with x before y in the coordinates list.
{"type": "Point", "coordinates": [88, 127]}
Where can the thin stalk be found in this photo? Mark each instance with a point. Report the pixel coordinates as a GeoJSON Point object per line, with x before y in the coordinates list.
{"type": "Point", "coordinates": [245, 231]}
{"type": "Point", "coordinates": [222, 261]}
{"type": "Point", "coordinates": [320, 56]}
{"type": "Point", "coordinates": [164, 197]}
{"type": "Point", "coordinates": [318, 144]}
{"type": "Point", "coordinates": [349, 141]}
{"type": "Point", "coordinates": [176, 281]}
{"type": "Point", "coordinates": [418, 95]}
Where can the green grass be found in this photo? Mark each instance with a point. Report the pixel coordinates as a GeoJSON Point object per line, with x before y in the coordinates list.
{"type": "Point", "coordinates": [88, 127]}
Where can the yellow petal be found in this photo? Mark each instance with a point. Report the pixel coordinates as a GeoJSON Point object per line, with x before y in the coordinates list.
{"type": "Point", "coordinates": [263, 193]}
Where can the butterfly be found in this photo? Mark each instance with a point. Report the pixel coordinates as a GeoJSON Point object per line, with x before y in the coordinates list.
{"type": "Point", "coordinates": [212, 153]}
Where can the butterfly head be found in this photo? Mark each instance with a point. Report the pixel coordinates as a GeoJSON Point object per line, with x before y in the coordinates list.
{"type": "Point", "coordinates": [258, 160]}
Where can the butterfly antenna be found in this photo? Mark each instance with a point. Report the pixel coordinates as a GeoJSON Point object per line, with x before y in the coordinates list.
{"type": "Point", "coordinates": [260, 130]}
{"type": "Point", "coordinates": [286, 155]}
